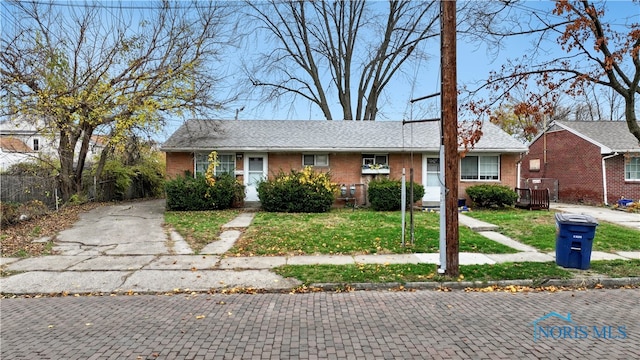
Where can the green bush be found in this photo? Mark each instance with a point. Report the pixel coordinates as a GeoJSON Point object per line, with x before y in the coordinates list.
{"type": "Point", "coordinates": [189, 193]}
{"type": "Point", "coordinates": [148, 174]}
{"type": "Point", "coordinates": [122, 175]}
{"type": "Point", "coordinates": [298, 191]}
{"type": "Point", "coordinates": [386, 194]}
{"type": "Point", "coordinates": [486, 196]}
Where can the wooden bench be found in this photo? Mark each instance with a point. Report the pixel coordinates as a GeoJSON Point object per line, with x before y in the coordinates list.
{"type": "Point", "coordinates": [532, 199]}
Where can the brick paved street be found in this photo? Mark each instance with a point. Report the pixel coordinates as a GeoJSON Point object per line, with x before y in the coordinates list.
{"type": "Point", "coordinates": [376, 324]}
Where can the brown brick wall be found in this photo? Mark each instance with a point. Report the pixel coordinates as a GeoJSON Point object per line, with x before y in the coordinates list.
{"type": "Point", "coordinates": [345, 168]}
{"type": "Point", "coordinates": [575, 162]}
{"type": "Point", "coordinates": [617, 187]}
{"type": "Point", "coordinates": [178, 163]}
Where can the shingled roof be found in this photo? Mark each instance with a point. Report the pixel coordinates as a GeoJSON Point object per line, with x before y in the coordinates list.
{"type": "Point", "coordinates": [323, 135]}
{"type": "Point", "coordinates": [611, 136]}
{"type": "Point", "coordinates": [11, 144]}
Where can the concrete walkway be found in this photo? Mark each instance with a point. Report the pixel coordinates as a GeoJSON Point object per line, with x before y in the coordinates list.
{"type": "Point", "coordinates": [124, 248]}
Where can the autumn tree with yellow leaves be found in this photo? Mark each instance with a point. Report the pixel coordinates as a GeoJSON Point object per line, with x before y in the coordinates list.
{"type": "Point", "coordinates": [101, 68]}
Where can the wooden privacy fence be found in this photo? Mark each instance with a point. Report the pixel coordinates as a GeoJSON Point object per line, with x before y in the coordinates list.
{"type": "Point", "coordinates": [24, 188]}
{"type": "Point", "coordinates": [533, 199]}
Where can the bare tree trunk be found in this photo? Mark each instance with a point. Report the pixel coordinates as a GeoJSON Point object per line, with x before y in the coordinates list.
{"type": "Point", "coordinates": [313, 36]}
{"type": "Point", "coordinates": [630, 115]}
{"type": "Point", "coordinates": [67, 175]}
{"type": "Point", "coordinates": [104, 155]}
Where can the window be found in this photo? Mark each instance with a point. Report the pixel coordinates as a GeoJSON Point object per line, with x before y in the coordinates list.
{"type": "Point", "coordinates": [36, 144]}
{"type": "Point", "coordinates": [315, 160]}
{"type": "Point", "coordinates": [374, 159]}
{"type": "Point", "coordinates": [534, 165]}
{"type": "Point", "coordinates": [480, 168]}
{"type": "Point", "coordinates": [226, 163]}
{"type": "Point", "coordinates": [632, 169]}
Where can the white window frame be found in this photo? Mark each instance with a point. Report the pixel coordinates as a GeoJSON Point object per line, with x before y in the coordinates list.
{"type": "Point", "coordinates": [36, 144]}
{"type": "Point", "coordinates": [317, 160]}
{"type": "Point", "coordinates": [632, 162]}
{"type": "Point", "coordinates": [481, 171]}
{"type": "Point", "coordinates": [201, 163]}
{"type": "Point", "coordinates": [373, 159]}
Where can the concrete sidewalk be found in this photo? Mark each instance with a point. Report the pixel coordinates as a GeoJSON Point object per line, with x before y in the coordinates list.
{"type": "Point", "coordinates": [123, 248]}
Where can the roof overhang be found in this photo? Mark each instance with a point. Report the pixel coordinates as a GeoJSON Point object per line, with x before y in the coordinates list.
{"type": "Point", "coordinates": [337, 150]}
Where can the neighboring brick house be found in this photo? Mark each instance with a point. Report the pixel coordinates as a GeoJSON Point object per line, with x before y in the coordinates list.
{"type": "Point", "coordinates": [594, 162]}
{"type": "Point", "coordinates": [354, 152]}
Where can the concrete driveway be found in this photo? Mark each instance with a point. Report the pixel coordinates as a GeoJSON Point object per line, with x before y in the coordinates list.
{"type": "Point", "coordinates": [618, 217]}
{"type": "Point", "coordinates": [128, 229]}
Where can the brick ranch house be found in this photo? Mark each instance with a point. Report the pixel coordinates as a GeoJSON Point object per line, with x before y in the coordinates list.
{"type": "Point", "coordinates": [594, 162]}
{"type": "Point", "coordinates": [355, 152]}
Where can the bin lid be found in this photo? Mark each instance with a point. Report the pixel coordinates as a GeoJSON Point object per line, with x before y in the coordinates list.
{"type": "Point", "coordinates": [576, 219]}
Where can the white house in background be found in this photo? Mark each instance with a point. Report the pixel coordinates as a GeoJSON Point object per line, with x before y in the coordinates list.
{"type": "Point", "coordinates": [24, 139]}
{"type": "Point", "coordinates": [14, 151]}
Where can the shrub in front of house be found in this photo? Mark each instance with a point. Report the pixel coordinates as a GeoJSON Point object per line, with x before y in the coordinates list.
{"type": "Point", "coordinates": [487, 196]}
{"type": "Point", "coordinates": [386, 194]}
{"type": "Point", "coordinates": [196, 193]}
{"type": "Point", "coordinates": [298, 191]}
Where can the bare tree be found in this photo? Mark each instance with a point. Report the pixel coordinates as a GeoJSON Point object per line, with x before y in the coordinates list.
{"type": "Point", "coordinates": [82, 67]}
{"type": "Point", "coordinates": [599, 54]}
{"type": "Point", "coordinates": [353, 48]}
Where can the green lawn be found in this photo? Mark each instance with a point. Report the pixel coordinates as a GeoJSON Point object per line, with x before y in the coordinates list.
{"type": "Point", "coordinates": [199, 228]}
{"type": "Point", "coordinates": [403, 273]}
{"type": "Point", "coordinates": [343, 231]}
{"type": "Point", "coordinates": [617, 268]}
{"type": "Point", "coordinates": [538, 229]}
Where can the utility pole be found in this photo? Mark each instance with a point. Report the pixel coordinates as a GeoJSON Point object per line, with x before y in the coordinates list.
{"type": "Point", "coordinates": [449, 91]}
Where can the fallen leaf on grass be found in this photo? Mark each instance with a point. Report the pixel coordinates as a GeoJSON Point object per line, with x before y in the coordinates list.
{"type": "Point", "coordinates": [18, 237]}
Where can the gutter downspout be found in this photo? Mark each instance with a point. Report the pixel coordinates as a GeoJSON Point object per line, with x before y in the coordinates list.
{"type": "Point", "coordinates": [604, 176]}
{"type": "Point", "coordinates": [519, 169]}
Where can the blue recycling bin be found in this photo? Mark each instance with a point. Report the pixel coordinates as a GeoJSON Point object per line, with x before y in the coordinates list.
{"type": "Point", "coordinates": [574, 240]}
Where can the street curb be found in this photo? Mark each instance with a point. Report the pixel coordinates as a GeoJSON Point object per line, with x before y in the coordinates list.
{"type": "Point", "coordinates": [461, 285]}
{"type": "Point", "coordinates": [542, 285]}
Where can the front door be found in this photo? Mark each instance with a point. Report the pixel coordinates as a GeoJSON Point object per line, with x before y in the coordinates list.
{"type": "Point", "coordinates": [431, 176]}
{"type": "Point", "coordinates": [255, 171]}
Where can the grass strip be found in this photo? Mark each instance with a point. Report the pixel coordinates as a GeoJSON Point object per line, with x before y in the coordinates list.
{"type": "Point", "coordinates": [199, 228]}
{"type": "Point", "coordinates": [403, 273]}
{"type": "Point", "coordinates": [538, 229]}
{"type": "Point", "coordinates": [617, 268]}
